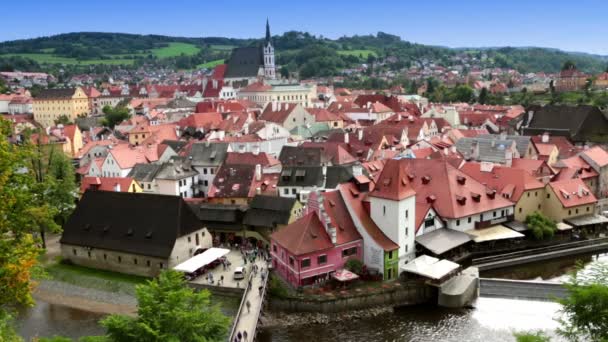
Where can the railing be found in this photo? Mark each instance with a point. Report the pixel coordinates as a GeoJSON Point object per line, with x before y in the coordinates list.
{"type": "Point", "coordinates": [238, 312]}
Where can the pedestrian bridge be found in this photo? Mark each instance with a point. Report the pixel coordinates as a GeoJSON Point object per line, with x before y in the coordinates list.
{"type": "Point", "coordinates": [250, 310]}
{"type": "Point", "coordinates": [521, 289]}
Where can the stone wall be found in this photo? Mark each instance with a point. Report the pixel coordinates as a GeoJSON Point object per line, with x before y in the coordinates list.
{"type": "Point", "coordinates": [219, 290]}
{"type": "Point", "coordinates": [408, 294]}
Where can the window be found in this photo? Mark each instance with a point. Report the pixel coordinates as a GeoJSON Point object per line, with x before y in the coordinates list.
{"type": "Point", "coordinates": [548, 195]}
{"type": "Point", "coordinates": [535, 193]}
{"type": "Point", "coordinates": [160, 265]}
{"type": "Point", "coordinates": [349, 251]}
{"type": "Point", "coordinates": [406, 231]}
{"type": "Point", "coordinates": [286, 191]}
{"type": "Point", "coordinates": [119, 259]}
{"type": "Point", "coordinates": [149, 186]}
{"type": "Point", "coordinates": [211, 170]}
{"type": "Point", "coordinates": [528, 194]}
{"type": "Point", "coordinates": [390, 254]}
{"type": "Point", "coordinates": [89, 253]}
{"type": "Point", "coordinates": [429, 222]}
{"type": "Point", "coordinates": [189, 239]}
{"type": "Point", "coordinates": [576, 210]}
{"type": "Point", "coordinates": [135, 261]}
{"type": "Point", "coordinates": [588, 208]}
{"type": "Point", "coordinates": [204, 171]}
{"type": "Point", "coordinates": [569, 212]}
{"type": "Point", "coordinates": [383, 210]}
{"type": "Point", "coordinates": [293, 191]}
{"type": "Point", "coordinates": [196, 238]}
{"type": "Point", "coordinates": [406, 213]}
{"type": "Point", "coordinates": [148, 263]}
{"type": "Point", "coordinates": [502, 213]}
{"type": "Point", "coordinates": [274, 248]}
{"type": "Point", "coordinates": [405, 248]}
{"type": "Point", "coordinates": [206, 183]}
{"type": "Point", "coordinates": [291, 261]}
{"type": "Point", "coordinates": [74, 251]}
{"type": "Point", "coordinates": [105, 256]}
{"type": "Point", "coordinates": [520, 209]}
{"type": "Point", "coordinates": [322, 259]}
{"type": "Point", "coordinates": [458, 222]}
{"type": "Point", "coordinates": [305, 263]}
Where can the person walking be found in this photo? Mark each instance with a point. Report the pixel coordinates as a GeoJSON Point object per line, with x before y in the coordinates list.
{"type": "Point", "coordinates": [240, 336]}
{"type": "Point", "coordinates": [222, 279]}
{"type": "Point", "coordinates": [245, 335]}
{"type": "Point", "coordinates": [248, 306]}
{"type": "Point", "coordinates": [260, 289]}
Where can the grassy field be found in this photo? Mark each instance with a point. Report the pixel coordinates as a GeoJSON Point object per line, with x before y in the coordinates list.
{"type": "Point", "coordinates": [357, 53]}
{"type": "Point", "coordinates": [210, 64]}
{"type": "Point", "coordinates": [176, 49]}
{"type": "Point", "coordinates": [95, 279]}
{"type": "Point", "coordinates": [222, 47]}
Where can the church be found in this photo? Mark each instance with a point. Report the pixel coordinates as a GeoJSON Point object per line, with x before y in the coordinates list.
{"type": "Point", "coordinates": [250, 64]}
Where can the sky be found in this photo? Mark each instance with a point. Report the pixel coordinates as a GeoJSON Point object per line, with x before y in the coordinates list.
{"type": "Point", "coordinates": [569, 25]}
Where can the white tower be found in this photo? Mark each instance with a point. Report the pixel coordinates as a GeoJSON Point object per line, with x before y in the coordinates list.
{"type": "Point", "coordinates": [269, 68]}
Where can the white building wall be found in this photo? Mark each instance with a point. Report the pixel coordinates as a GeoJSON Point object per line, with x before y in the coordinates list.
{"type": "Point", "coordinates": [396, 220]}
{"type": "Point", "coordinates": [466, 223]}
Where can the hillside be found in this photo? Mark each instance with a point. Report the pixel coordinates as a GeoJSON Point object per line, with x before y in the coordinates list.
{"type": "Point", "coordinates": [296, 51]}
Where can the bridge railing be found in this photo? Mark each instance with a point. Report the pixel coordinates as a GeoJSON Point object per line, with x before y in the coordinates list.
{"type": "Point", "coordinates": [235, 322]}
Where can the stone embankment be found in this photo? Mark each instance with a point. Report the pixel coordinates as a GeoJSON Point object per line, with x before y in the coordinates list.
{"type": "Point", "coordinates": [282, 319]}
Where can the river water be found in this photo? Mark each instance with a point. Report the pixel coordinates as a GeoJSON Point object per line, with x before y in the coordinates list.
{"type": "Point", "coordinates": [490, 319]}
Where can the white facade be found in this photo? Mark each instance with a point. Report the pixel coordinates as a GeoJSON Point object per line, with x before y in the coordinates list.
{"type": "Point", "coordinates": [110, 168]}
{"type": "Point", "coordinates": [397, 220]}
{"type": "Point", "coordinates": [177, 187]}
{"type": "Point", "coordinates": [271, 146]}
{"type": "Point", "coordinates": [206, 175]}
{"type": "Point", "coordinates": [496, 216]}
{"type": "Point", "coordinates": [19, 108]}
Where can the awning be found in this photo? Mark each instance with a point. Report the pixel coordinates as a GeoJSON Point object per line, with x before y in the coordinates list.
{"type": "Point", "coordinates": [497, 232]}
{"type": "Point", "coordinates": [442, 240]}
{"type": "Point", "coordinates": [517, 226]}
{"type": "Point", "coordinates": [201, 260]}
{"type": "Point", "coordinates": [587, 220]}
{"type": "Point", "coordinates": [561, 226]}
{"type": "Point", "coordinates": [430, 267]}
{"type": "Point", "coordinates": [344, 275]}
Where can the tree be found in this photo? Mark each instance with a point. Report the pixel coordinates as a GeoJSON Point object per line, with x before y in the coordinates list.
{"type": "Point", "coordinates": [354, 265]}
{"type": "Point", "coordinates": [568, 65]}
{"type": "Point", "coordinates": [284, 72]}
{"type": "Point", "coordinates": [168, 310]}
{"type": "Point", "coordinates": [7, 331]}
{"type": "Point", "coordinates": [585, 309]}
{"type": "Point", "coordinates": [483, 96]}
{"type": "Point", "coordinates": [542, 227]}
{"type": "Point", "coordinates": [115, 115]}
{"type": "Point", "coordinates": [537, 336]}
{"type": "Point", "coordinates": [3, 87]}
{"type": "Point", "coordinates": [63, 120]}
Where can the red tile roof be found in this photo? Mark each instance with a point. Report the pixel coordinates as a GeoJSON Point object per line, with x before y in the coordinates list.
{"type": "Point", "coordinates": [279, 113]}
{"type": "Point", "coordinates": [205, 121]}
{"type": "Point", "coordinates": [505, 180]}
{"type": "Point", "coordinates": [574, 167]}
{"type": "Point", "coordinates": [572, 192]}
{"type": "Point", "coordinates": [304, 236]}
{"type": "Point", "coordinates": [323, 115]}
{"type": "Point", "coordinates": [106, 183]}
{"type": "Point", "coordinates": [354, 200]}
{"type": "Point", "coordinates": [250, 158]}
{"type": "Point", "coordinates": [598, 155]}
{"type": "Point", "coordinates": [256, 86]}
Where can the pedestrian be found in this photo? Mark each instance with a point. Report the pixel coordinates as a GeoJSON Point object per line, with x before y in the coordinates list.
{"type": "Point", "coordinates": [249, 282]}
{"type": "Point", "coordinates": [260, 289]}
{"type": "Point", "coordinates": [245, 335]}
{"type": "Point", "coordinates": [239, 335]}
{"type": "Point", "coordinates": [222, 279]}
{"type": "Point", "coordinates": [248, 306]}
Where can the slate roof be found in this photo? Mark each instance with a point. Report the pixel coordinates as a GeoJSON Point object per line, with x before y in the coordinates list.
{"type": "Point", "coordinates": [244, 62]}
{"type": "Point", "coordinates": [219, 216]}
{"type": "Point", "coordinates": [338, 174]}
{"type": "Point", "coordinates": [144, 172]}
{"type": "Point", "coordinates": [135, 223]}
{"type": "Point", "coordinates": [55, 93]}
{"type": "Point", "coordinates": [487, 152]}
{"type": "Point", "coordinates": [177, 168]}
{"type": "Point", "coordinates": [268, 211]}
{"type": "Point", "coordinates": [522, 142]}
{"type": "Point", "coordinates": [304, 176]}
{"type": "Point", "coordinates": [208, 154]}
{"type": "Point", "coordinates": [300, 156]}
{"type": "Point", "coordinates": [580, 123]}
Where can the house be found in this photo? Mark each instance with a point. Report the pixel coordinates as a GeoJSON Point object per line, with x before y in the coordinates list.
{"type": "Point", "coordinates": [580, 123]}
{"type": "Point", "coordinates": [299, 181]}
{"type": "Point", "coordinates": [567, 199]}
{"type": "Point", "coordinates": [571, 79]}
{"type": "Point", "coordinates": [120, 160]}
{"type": "Point", "coordinates": [267, 214]}
{"type": "Point", "coordinates": [317, 245]}
{"type": "Point", "coordinates": [262, 93]}
{"type": "Point", "coordinates": [177, 177]}
{"type": "Point", "coordinates": [118, 184]}
{"type": "Point", "coordinates": [322, 115]}
{"type": "Point", "coordinates": [288, 115]}
{"type": "Point", "coordinates": [238, 184]}
{"type": "Point", "coordinates": [380, 253]}
{"type": "Point", "coordinates": [132, 233]}
{"type": "Point", "coordinates": [145, 175]}
{"type": "Point", "coordinates": [50, 104]}
{"type": "Point", "coordinates": [513, 184]}
{"type": "Point", "coordinates": [206, 158]}
{"type": "Point", "coordinates": [577, 167]}
{"type": "Point", "coordinates": [488, 150]}
{"type": "Point", "coordinates": [597, 158]}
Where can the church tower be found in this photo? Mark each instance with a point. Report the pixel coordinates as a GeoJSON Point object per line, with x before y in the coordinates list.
{"type": "Point", "coordinates": [269, 68]}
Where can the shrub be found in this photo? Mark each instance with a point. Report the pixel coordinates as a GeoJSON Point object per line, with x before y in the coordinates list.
{"type": "Point", "coordinates": [276, 288]}
{"type": "Point", "coordinates": [542, 227]}
{"type": "Point", "coordinates": [354, 265]}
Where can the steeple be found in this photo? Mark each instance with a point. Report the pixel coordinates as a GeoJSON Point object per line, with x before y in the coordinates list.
{"type": "Point", "coordinates": [267, 32]}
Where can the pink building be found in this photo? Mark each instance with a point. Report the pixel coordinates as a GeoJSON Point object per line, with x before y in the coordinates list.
{"type": "Point", "coordinates": [318, 244]}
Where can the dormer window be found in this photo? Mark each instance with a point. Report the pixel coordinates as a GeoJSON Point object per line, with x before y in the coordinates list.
{"type": "Point", "coordinates": [461, 180]}
{"type": "Point", "coordinates": [426, 179]}
{"type": "Point", "coordinates": [461, 200]}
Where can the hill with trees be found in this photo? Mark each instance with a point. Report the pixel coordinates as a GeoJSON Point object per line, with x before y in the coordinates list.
{"type": "Point", "coordinates": [300, 52]}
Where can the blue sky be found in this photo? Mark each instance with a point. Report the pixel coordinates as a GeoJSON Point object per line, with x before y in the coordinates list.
{"type": "Point", "coordinates": [579, 25]}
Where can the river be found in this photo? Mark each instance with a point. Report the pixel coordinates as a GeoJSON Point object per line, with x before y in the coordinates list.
{"type": "Point", "coordinates": [490, 319]}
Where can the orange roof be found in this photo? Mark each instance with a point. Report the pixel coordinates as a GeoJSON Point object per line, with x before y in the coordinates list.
{"type": "Point", "coordinates": [598, 155]}
{"type": "Point", "coordinates": [106, 183]}
{"type": "Point", "coordinates": [354, 200]}
{"type": "Point", "coordinates": [340, 218]}
{"type": "Point", "coordinates": [506, 180]}
{"type": "Point", "coordinates": [574, 167]}
{"type": "Point", "coordinates": [572, 192]}
{"type": "Point", "coordinates": [277, 114]}
{"type": "Point", "coordinates": [322, 115]}
{"type": "Point", "coordinates": [544, 149]}
{"type": "Point", "coordinates": [303, 236]}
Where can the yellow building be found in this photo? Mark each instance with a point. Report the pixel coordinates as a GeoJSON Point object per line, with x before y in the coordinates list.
{"type": "Point", "coordinates": [51, 104]}
{"type": "Point", "coordinates": [568, 198]}
{"type": "Point", "coordinates": [139, 134]}
{"type": "Point", "coordinates": [263, 94]}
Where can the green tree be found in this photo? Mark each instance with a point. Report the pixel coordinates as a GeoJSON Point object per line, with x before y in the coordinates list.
{"type": "Point", "coordinates": [537, 336]}
{"type": "Point", "coordinates": [115, 115]}
{"type": "Point", "coordinates": [168, 310]}
{"type": "Point", "coordinates": [483, 96]}
{"type": "Point", "coordinates": [63, 120]}
{"type": "Point", "coordinates": [3, 86]}
{"type": "Point", "coordinates": [354, 265]}
{"type": "Point", "coordinates": [284, 71]}
{"type": "Point", "coordinates": [585, 309]}
{"type": "Point", "coordinates": [7, 330]}
{"type": "Point", "coordinates": [542, 227]}
{"type": "Point", "coordinates": [569, 64]}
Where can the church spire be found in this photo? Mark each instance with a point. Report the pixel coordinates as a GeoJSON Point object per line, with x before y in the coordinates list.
{"type": "Point", "coordinates": [267, 31]}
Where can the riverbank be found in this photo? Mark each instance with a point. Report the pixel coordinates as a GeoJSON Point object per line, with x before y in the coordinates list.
{"type": "Point", "coordinates": [275, 319]}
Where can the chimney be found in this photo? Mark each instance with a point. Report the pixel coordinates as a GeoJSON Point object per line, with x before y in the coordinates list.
{"type": "Point", "coordinates": [274, 106]}
{"type": "Point", "coordinates": [545, 137]}
{"type": "Point", "coordinates": [580, 191]}
{"type": "Point", "coordinates": [117, 187]}
{"type": "Point", "coordinates": [346, 137]}
{"type": "Point", "coordinates": [411, 118]}
{"type": "Point", "coordinates": [360, 134]}
{"type": "Point", "coordinates": [258, 172]}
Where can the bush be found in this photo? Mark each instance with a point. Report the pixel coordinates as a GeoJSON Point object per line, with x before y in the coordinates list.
{"type": "Point", "coordinates": [538, 336]}
{"type": "Point", "coordinates": [354, 265]}
{"type": "Point", "coordinates": [276, 288]}
{"type": "Point", "coordinates": [542, 227]}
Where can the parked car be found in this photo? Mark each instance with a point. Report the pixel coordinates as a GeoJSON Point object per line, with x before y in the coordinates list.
{"type": "Point", "coordinates": [239, 273]}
